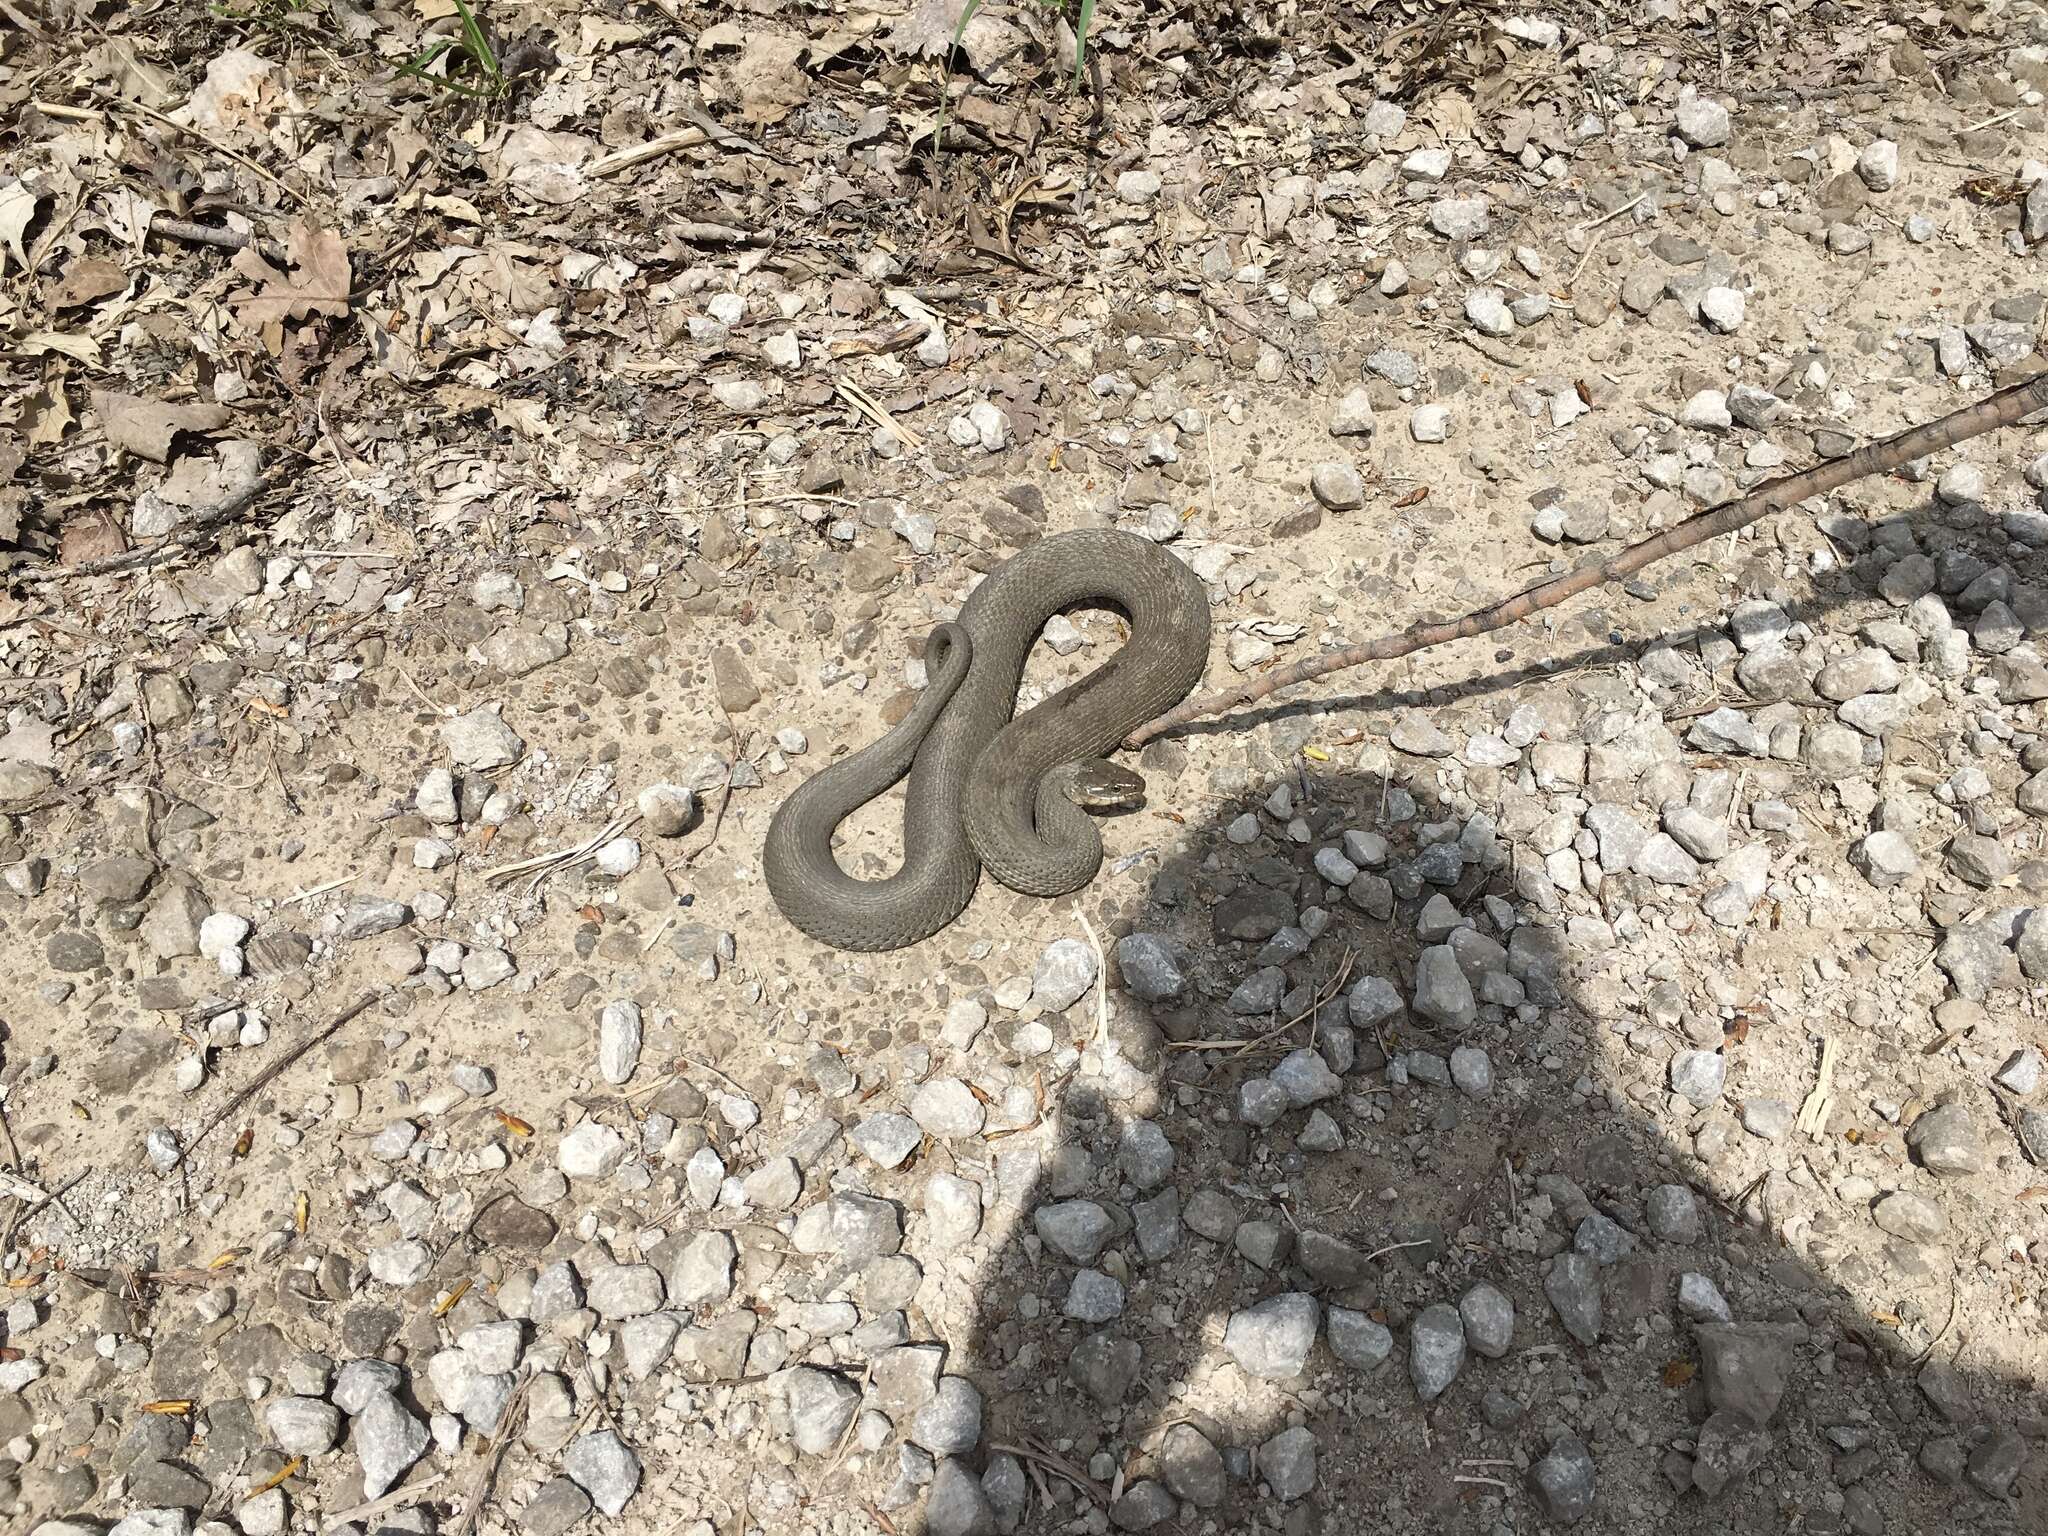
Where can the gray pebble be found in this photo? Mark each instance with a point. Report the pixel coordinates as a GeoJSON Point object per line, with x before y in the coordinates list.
{"type": "Point", "coordinates": [1288, 1463]}
{"type": "Point", "coordinates": [1272, 1339]}
{"type": "Point", "coordinates": [1700, 1299]}
{"type": "Point", "coordinates": [1573, 1287]}
{"type": "Point", "coordinates": [1562, 1482]}
{"type": "Point", "coordinates": [1698, 1076]}
{"type": "Point", "coordinates": [1674, 1214]}
{"type": "Point", "coordinates": [1436, 1350]}
{"type": "Point", "coordinates": [1075, 1229]}
{"type": "Point", "coordinates": [1145, 1155]}
{"type": "Point", "coordinates": [1063, 973]}
{"type": "Point", "coordinates": [604, 1467]}
{"type": "Point", "coordinates": [1094, 1297]}
{"type": "Point", "coordinates": [821, 1407]}
{"type": "Point", "coordinates": [618, 1041]}
{"type": "Point", "coordinates": [887, 1139]}
{"type": "Point", "coordinates": [1489, 1319]}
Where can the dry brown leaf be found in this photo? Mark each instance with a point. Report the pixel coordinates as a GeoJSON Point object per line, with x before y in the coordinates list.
{"type": "Point", "coordinates": [145, 427]}
{"type": "Point", "coordinates": [240, 91]}
{"type": "Point", "coordinates": [1452, 115]}
{"type": "Point", "coordinates": [89, 536]}
{"type": "Point", "coordinates": [17, 211]}
{"type": "Point", "coordinates": [547, 167]}
{"type": "Point", "coordinates": [601, 35]}
{"type": "Point", "coordinates": [926, 31]}
{"type": "Point", "coordinates": [88, 278]}
{"type": "Point", "coordinates": [771, 85]}
{"type": "Point", "coordinates": [134, 77]}
{"type": "Point", "coordinates": [46, 414]}
{"type": "Point", "coordinates": [206, 480]}
{"type": "Point", "coordinates": [32, 741]}
{"type": "Point", "coordinates": [319, 283]}
{"type": "Point", "coordinates": [128, 214]}
{"type": "Point", "coordinates": [453, 207]}
{"type": "Point", "coordinates": [83, 348]}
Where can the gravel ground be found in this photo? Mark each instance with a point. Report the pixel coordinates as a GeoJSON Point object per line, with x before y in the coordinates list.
{"type": "Point", "coordinates": [1589, 1078]}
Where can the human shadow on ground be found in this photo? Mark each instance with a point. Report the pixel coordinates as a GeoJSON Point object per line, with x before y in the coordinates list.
{"type": "Point", "coordinates": [1389, 1183]}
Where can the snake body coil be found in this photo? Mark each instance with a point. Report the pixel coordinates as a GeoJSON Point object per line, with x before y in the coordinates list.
{"type": "Point", "coordinates": [984, 788]}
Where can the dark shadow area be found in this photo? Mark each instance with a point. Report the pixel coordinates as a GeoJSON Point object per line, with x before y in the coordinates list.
{"type": "Point", "coordinates": [1270, 1172]}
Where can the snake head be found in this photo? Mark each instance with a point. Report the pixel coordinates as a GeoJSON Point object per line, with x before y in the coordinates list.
{"type": "Point", "coordinates": [1097, 784]}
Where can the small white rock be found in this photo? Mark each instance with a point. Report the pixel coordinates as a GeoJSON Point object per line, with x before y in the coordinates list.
{"type": "Point", "coordinates": [221, 931]}
{"type": "Point", "coordinates": [1723, 309]}
{"type": "Point", "coordinates": [1878, 165]}
{"type": "Point", "coordinates": [1430, 424]}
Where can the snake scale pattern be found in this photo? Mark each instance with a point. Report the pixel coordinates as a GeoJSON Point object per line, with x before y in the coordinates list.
{"type": "Point", "coordinates": [985, 789]}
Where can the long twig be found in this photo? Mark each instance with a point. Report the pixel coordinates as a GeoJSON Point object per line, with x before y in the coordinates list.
{"type": "Point", "coordinates": [164, 120]}
{"type": "Point", "coordinates": [263, 1078]}
{"type": "Point", "coordinates": [487, 1474]}
{"type": "Point", "coordinates": [397, 1498]}
{"type": "Point", "coordinates": [216, 235]}
{"type": "Point", "coordinates": [1878, 458]}
{"type": "Point", "coordinates": [200, 530]}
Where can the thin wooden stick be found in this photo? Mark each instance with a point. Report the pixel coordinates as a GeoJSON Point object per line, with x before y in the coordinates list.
{"type": "Point", "coordinates": [487, 1474]}
{"type": "Point", "coordinates": [263, 1078]}
{"type": "Point", "coordinates": [397, 1498]}
{"type": "Point", "coordinates": [215, 235]}
{"type": "Point", "coordinates": [652, 149]}
{"type": "Point", "coordinates": [868, 406]}
{"type": "Point", "coordinates": [1878, 458]}
{"type": "Point", "coordinates": [165, 120]}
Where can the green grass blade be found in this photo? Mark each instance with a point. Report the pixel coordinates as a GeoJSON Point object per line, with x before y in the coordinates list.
{"type": "Point", "coordinates": [475, 42]}
{"type": "Point", "coordinates": [939, 129]}
{"type": "Point", "coordinates": [419, 66]}
{"type": "Point", "coordinates": [1081, 26]}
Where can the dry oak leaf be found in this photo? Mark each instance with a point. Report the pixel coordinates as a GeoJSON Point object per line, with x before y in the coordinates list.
{"type": "Point", "coordinates": [145, 427]}
{"type": "Point", "coordinates": [771, 83]}
{"type": "Point", "coordinates": [318, 285]}
{"type": "Point", "coordinates": [91, 535]}
{"type": "Point", "coordinates": [926, 31]}
{"type": "Point", "coordinates": [85, 280]}
{"type": "Point", "coordinates": [17, 212]}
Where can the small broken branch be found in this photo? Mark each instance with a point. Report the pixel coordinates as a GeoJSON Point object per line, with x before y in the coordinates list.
{"type": "Point", "coordinates": [216, 235]}
{"type": "Point", "coordinates": [203, 529]}
{"type": "Point", "coordinates": [271, 1072]}
{"type": "Point", "coordinates": [652, 149]}
{"type": "Point", "coordinates": [166, 121]}
{"type": "Point", "coordinates": [1987, 415]}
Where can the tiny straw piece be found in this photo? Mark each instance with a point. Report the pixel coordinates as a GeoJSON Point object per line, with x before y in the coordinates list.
{"type": "Point", "coordinates": [1101, 977]}
{"type": "Point", "coordinates": [869, 407]}
{"type": "Point", "coordinates": [548, 861]}
{"type": "Point", "coordinates": [1813, 1114]}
